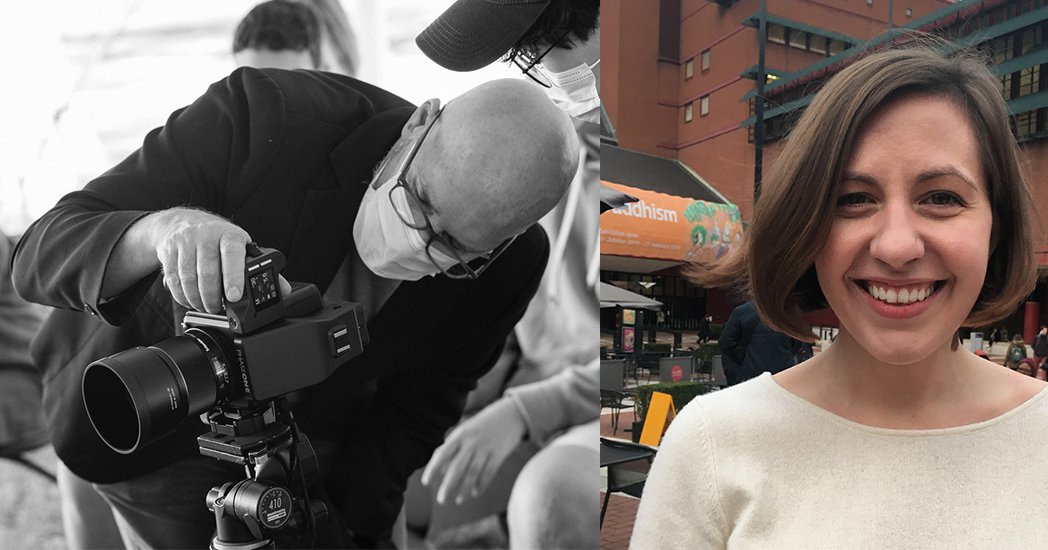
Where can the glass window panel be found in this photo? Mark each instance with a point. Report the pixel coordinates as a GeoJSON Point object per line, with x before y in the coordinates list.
{"type": "Point", "coordinates": [818, 44]}
{"type": "Point", "coordinates": [704, 105]}
{"type": "Point", "coordinates": [1028, 80]}
{"type": "Point", "coordinates": [687, 112]}
{"type": "Point", "coordinates": [776, 34]}
{"type": "Point", "coordinates": [706, 60]}
{"type": "Point", "coordinates": [689, 69]}
{"type": "Point", "coordinates": [1022, 124]}
{"type": "Point", "coordinates": [1027, 40]}
{"type": "Point", "coordinates": [796, 39]}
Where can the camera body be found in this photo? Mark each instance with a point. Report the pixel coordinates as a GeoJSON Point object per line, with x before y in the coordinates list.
{"type": "Point", "coordinates": [263, 347]}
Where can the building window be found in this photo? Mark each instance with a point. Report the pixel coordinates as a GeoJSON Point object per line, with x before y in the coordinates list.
{"type": "Point", "coordinates": [909, 12]}
{"type": "Point", "coordinates": [1025, 123]}
{"type": "Point", "coordinates": [802, 40]}
{"type": "Point", "coordinates": [776, 33]}
{"type": "Point", "coordinates": [1029, 80]}
{"type": "Point", "coordinates": [869, 2]}
{"type": "Point", "coordinates": [819, 44]}
{"type": "Point", "coordinates": [706, 60]}
{"type": "Point", "coordinates": [689, 69]}
{"type": "Point", "coordinates": [704, 105]}
{"type": "Point", "coordinates": [1003, 48]}
{"type": "Point", "coordinates": [1006, 86]}
{"type": "Point", "coordinates": [687, 112]}
{"type": "Point", "coordinates": [797, 38]}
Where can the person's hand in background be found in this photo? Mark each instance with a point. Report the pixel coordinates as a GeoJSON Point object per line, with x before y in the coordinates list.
{"type": "Point", "coordinates": [472, 452]}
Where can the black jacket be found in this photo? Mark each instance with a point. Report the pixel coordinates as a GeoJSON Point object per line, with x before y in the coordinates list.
{"type": "Point", "coordinates": [751, 347]}
{"type": "Point", "coordinates": [1040, 345]}
{"type": "Point", "coordinates": [287, 155]}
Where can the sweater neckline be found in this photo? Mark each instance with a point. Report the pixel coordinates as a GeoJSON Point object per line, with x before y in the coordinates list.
{"type": "Point", "coordinates": [766, 380]}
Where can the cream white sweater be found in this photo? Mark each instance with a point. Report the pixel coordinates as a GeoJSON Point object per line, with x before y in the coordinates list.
{"type": "Point", "coordinates": [756, 467]}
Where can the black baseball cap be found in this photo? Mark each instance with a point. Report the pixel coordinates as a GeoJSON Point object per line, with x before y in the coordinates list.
{"type": "Point", "coordinates": [474, 33]}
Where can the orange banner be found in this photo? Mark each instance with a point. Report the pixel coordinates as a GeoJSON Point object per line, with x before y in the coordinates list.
{"type": "Point", "coordinates": [666, 227]}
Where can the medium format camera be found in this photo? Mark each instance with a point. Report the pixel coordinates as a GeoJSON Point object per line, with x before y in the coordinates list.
{"type": "Point", "coordinates": [263, 347]}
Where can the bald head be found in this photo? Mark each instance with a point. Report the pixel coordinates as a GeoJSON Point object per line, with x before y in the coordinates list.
{"type": "Point", "coordinates": [500, 157]}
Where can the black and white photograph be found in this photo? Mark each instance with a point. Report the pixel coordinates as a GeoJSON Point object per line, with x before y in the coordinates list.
{"type": "Point", "coordinates": [300, 274]}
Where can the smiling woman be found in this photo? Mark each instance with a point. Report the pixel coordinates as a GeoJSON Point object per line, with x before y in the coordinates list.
{"type": "Point", "coordinates": [911, 221]}
{"type": "Point", "coordinates": [899, 203]}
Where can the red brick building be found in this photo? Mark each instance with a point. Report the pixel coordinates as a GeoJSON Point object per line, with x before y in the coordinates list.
{"type": "Point", "coordinates": [679, 79]}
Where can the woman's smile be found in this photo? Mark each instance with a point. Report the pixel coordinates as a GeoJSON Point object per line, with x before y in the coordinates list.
{"type": "Point", "coordinates": [900, 301]}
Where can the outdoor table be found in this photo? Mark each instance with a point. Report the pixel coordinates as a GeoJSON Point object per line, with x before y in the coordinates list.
{"type": "Point", "coordinates": [611, 454]}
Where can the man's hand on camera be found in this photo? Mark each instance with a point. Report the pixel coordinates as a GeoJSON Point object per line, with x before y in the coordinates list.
{"type": "Point", "coordinates": [474, 451]}
{"type": "Point", "coordinates": [202, 257]}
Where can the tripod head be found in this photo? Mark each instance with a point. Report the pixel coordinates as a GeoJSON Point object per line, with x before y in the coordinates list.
{"type": "Point", "coordinates": [278, 461]}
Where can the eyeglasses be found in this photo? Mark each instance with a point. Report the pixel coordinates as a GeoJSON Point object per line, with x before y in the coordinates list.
{"type": "Point", "coordinates": [463, 269]}
{"type": "Point", "coordinates": [529, 65]}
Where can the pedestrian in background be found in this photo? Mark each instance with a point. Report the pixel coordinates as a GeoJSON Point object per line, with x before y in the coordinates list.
{"type": "Point", "coordinates": [750, 347]}
{"type": "Point", "coordinates": [1040, 346]}
{"type": "Point", "coordinates": [705, 330]}
{"type": "Point", "coordinates": [1016, 352]}
{"type": "Point", "coordinates": [278, 34]}
{"type": "Point", "coordinates": [294, 34]}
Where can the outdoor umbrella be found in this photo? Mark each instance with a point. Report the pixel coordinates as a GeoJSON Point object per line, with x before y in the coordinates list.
{"type": "Point", "coordinates": [612, 296]}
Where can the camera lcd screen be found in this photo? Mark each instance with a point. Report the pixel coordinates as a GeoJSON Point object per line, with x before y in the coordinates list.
{"type": "Point", "coordinates": [263, 289]}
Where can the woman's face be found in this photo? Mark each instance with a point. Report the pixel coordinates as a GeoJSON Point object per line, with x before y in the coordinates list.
{"type": "Point", "coordinates": [907, 253]}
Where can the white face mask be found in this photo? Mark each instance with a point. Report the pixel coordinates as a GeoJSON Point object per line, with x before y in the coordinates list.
{"type": "Point", "coordinates": [575, 91]}
{"type": "Point", "coordinates": [387, 246]}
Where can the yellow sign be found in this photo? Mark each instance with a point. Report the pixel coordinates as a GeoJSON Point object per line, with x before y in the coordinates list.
{"type": "Point", "coordinates": [656, 420]}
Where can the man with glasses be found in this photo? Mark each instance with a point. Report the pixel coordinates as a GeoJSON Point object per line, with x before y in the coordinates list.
{"type": "Point", "coordinates": [548, 375]}
{"type": "Point", "coordinates": [425, 216]}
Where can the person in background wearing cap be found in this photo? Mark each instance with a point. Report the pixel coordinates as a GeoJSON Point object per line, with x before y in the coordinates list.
{"type": "Point", "coordinates": [551, 364]}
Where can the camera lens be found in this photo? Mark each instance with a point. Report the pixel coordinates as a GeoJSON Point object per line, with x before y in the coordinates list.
{"type": "Point", "coordinates": [142, 394]}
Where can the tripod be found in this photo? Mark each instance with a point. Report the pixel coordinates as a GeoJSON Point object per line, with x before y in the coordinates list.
{"type": "Point", "coordinates": [277, 458]}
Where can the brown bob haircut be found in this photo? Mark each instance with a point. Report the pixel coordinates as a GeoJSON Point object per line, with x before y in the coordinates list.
{"type": "Point", "coordinates": [775, 265]}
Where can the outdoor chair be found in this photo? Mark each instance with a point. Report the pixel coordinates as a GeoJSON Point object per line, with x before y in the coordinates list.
{"type": "Point", "coordinates": [632, 371]}
{"type": "Point", "coordinates": [613, 374]}
{"type": "Point", "coordinates": [612, 399]}
{"type": "Point", "coordinates": [628, 465]}
{"type": "Point", "coordinates": [649, 361]}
